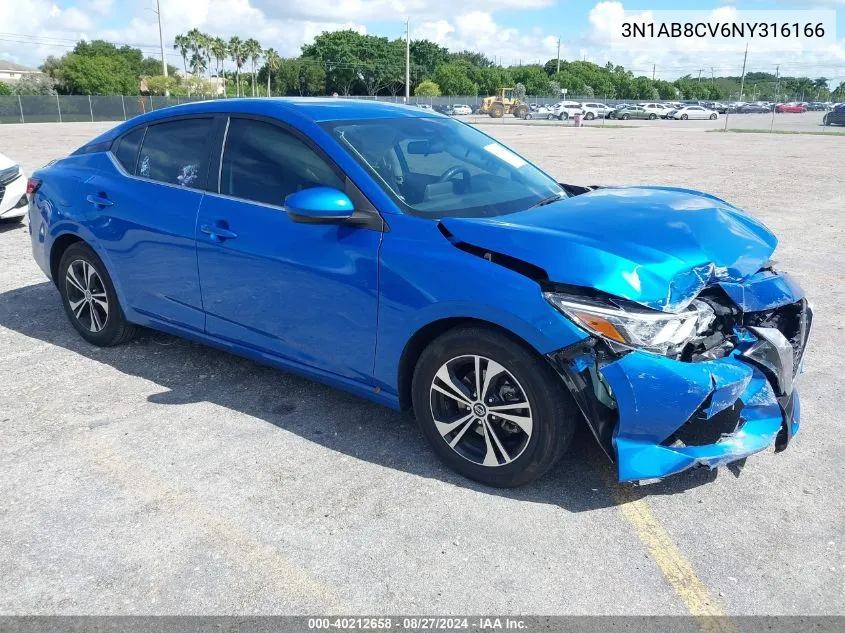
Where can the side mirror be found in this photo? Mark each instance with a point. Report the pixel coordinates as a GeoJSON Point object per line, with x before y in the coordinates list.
{"type": "Point", "coordinates": [319, 205]}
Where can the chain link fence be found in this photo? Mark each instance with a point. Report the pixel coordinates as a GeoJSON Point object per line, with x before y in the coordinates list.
{"type": "Point", "coordinates": [76, 108]}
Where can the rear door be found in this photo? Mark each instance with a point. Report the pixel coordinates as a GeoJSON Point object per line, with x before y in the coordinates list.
{"type": "Point", "coordinates": [307, 292]}
{"type": "Point", "coordinates": [146, 202]}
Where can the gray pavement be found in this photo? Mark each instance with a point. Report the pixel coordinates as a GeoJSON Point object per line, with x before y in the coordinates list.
{"type": "Point", "coordinates": [163, 477]}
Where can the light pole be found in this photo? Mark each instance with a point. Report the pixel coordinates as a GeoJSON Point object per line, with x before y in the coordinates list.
{"type": "Point", "coordinates": [157, 11]}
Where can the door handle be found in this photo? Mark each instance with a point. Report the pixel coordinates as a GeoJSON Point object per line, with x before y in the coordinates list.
{"type": "Point", "coordinates": [99, 200]}
{"type": "Point", "coordinates": [218, 233]}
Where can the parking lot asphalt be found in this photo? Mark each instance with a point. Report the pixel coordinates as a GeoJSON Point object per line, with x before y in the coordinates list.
{"type": "Point", "coordinates": [163, 477]}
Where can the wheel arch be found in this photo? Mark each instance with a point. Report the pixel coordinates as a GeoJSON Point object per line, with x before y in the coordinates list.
{"type": "Point", "coordinates": [423, 337]}
{"type": "Point", "coordinates": [58, 248]}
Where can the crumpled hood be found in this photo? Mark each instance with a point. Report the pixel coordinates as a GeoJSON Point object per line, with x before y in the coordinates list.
{"type": "Point", "coordinates": [657, 246]}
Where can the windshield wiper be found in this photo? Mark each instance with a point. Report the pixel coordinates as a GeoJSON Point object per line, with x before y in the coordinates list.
{"type": "Point", "coordinates": [549, 200]}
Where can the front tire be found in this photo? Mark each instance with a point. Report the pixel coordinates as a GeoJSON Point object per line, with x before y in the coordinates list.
{"type": "Point", "coordinates": [492, 409]}
{"type": "Point", "coordinates": [684, 117]}
{"type": "Point", "coordinates": [589, 116]}
{"type": "Point", "coordinates": [563, 116]}
{"type": "Point", "coordinates": [625, 117]}
{"type": "Point", "coordinates": [89, 298]}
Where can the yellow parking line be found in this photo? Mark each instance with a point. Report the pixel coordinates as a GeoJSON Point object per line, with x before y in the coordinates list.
{"type": "Point", "coordinates": [672, 563]}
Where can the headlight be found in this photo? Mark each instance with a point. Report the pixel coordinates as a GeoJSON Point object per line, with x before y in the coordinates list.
{"type": "Point", "coordinates": [654, 331]}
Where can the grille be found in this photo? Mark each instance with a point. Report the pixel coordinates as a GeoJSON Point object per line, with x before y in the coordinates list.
{"type": "Point", "coordinates": [793, 320]}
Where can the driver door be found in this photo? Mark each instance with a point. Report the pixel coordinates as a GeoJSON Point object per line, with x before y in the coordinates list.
{"type": "Point", "coordinates": [306, 292]}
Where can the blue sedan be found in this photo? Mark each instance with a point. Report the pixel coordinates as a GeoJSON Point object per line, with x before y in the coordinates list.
{"type": "Point", "coordinates": [415, 261]}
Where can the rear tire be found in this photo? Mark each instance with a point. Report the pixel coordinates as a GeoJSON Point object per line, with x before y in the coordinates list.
{"type": "Point", "coordinates": [590, 116]}
{"type": "Point", "coordinates": [713, 117]}
{"type": "Point", "coordinates": [625, 117]}
{"type": "Point", "coordinates": [563, 116]}
{"type": "Point", "coordinates": [89, 298]}
{"type": "Point", "coordinates": [652, 117]}
{"type": "Point", "coordinates": [517, 449]}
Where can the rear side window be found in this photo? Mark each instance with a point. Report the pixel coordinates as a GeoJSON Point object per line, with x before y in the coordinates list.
{"type": "Point", "coordinates": [126, 151]}
{"type": "Point", "coordinates": [175, 152]}
{"type": "Point", "coordinates": [264, 163]}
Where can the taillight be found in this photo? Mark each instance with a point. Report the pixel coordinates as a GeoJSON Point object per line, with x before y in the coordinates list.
{"type": "Point", "coordinates": [32, 185]}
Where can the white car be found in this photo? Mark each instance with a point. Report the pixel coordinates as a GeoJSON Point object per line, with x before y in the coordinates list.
{"type": "Point", "coordinates": [461, 109]}
{"type": "Point", "coordinates": [596, 110]}
{"type": "Point", "coordinates": [658, 108]}
{"type": "Point", "coordinates": [566, 109]}
{"type": "Point", "coordinates": [13, 200]}
{"type": "Point", "coordinates": [695, 112]}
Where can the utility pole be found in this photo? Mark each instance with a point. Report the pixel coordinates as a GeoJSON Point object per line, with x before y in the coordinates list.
{"type": "Point", "coordinates": [777, 88]}
{"type": "Point", "coordinates": [408, 60]}
{"type": "Point", "coordinates": [558, 54]}
{"type": "Point", "coordinates": [653, 71]}
{"type": "Point", "coordinates": [699, 74]}
{"type": "Point", "coordinates": [712, 76]}
{"type": "Point", "coordinates": [742, 83]}
{"type": "Point", "coordinates": [161, 40]}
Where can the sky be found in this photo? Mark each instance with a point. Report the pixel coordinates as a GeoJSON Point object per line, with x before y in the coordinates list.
{"type": "Point", "coordinates": [511, 31]}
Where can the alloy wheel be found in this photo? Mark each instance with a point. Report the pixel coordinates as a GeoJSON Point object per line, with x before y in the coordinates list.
{"type": "Point", "coordinates": [480, 410]}
{"type": "Point", "coordinates": [86, 295]}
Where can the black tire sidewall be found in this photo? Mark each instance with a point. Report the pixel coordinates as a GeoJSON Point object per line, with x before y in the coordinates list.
{"type": "Point", "coordinates": [551, 432]}
{"type": "Point", "coordinates": [115, 321]}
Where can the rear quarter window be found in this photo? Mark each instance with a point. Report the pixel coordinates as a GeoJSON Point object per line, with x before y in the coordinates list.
{"type": "Point", "coordinates": [125, 149]}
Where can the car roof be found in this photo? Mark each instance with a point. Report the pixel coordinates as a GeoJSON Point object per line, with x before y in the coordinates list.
{"type": "Point", "coordinates": [316, 109]}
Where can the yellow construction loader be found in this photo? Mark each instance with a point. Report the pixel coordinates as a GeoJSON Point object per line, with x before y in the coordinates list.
{"type": "Point", "coordinates": [502, 104]}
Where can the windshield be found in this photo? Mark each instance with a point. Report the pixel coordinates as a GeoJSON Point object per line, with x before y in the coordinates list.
{"type": "Point", "coordinates": [438, 167]}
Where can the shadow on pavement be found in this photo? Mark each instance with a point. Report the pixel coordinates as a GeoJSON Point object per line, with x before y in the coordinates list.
{"type": "Point", "coordinates": [584, 479]}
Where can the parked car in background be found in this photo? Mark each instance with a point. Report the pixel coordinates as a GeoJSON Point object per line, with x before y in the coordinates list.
{"type": "Point", "coordinates": [792, 108]}
{"type": "Point", "coordinates": [658, 108]}
{"type": "Point", "coordinates": [835, 116]}
{"type": "Point", "coordinates": [596, 110]}
{"type": "Point", "coordinates": [633, 112]}
{"type": "Point", "coordinates": [752, 108]}
{"type": "Point", "coordinates": [542, 112]}
{"type": "Point", "coordinates": [817, 106]}
{"type": "Point", "coordinates": [695, 112]}
{"type": "Point", "coordinates": [460, 109]}
{"type": "Point", "coordinates": [566, 109]}
{"type": "Point", "coordinates": [415, 261]}
{"type": "Point", "coordinates": [12, 190]}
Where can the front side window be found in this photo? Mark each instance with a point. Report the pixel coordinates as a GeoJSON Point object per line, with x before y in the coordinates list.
{"type": "Point", "coordinates": [126, 150]}
{"type": "Point", "coordinates": [175, 152]}
{"type": "Point", "coordinates": [439, 167]}
{"type": "Point", "coordinates": [264, 163]}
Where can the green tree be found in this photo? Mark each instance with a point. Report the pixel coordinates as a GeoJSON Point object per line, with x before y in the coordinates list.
{"type": "Point", "coordinates": [5, 90]}
{"type": "Point", "coordinates": [453, 80]}
{"type": "Point", "coordinates": [471, 58]}
{"type": "Point", "coordinates": [161, 85]}
{"type": "Point", "coordinates": [103, 75]}
{"type": "Point", "coordinates": [427, 88]}
{"type": "Point", "coordinates": [426, 57]}
{"type": "Point", "coordinates": [534, 78]}
{"type": "Point", "coordinates": [338, 52]}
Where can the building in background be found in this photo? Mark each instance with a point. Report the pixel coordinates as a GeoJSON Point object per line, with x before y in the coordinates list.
{"type": "Point", "coordinates": [10, 71]}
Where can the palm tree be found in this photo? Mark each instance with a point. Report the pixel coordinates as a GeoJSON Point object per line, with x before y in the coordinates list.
{"type": "Point", "coordinates": [274, 61]}
{"type": "Point", "coordinates": [238, 55]}
{"type": "Point", "coordinates": [220, 51]}
{"type": "Point", "coordinates": [820, 84]}
{"type": "Point", "coordinates": [182, 43]}
{"type": "Point", "coordinates": [252, 50]}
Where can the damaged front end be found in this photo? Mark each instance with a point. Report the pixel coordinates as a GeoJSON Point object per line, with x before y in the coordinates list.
{"type": "Point", "coordinates": [705, 386]}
